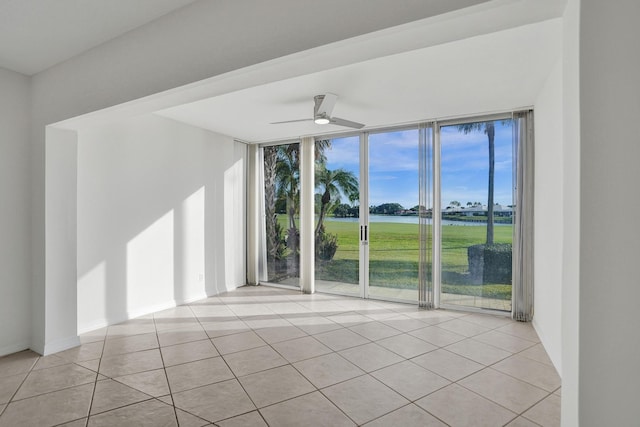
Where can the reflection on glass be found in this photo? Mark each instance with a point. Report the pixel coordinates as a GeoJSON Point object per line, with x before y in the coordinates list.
{"type": "Point", "coordinates": [477, 214]}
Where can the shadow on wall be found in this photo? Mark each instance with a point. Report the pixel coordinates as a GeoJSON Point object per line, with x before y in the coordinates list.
{"type": "Point", "coordinates": [160, 218]}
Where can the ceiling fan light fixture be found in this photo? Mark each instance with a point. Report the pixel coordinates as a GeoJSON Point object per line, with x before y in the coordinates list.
{"type": "Point", "coordinates": [321, 120]}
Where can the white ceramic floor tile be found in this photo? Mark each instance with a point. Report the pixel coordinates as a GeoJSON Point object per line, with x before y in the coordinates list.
{"type": "Point", "coordinates": [186, 419]}
{"type": "Point", "coordinates": [478, 351]}
{"type": "Point", "coordinates": [9, 385]}
{"type": "Point", "coordinates": [375, 330]}
{"type": "Point", "coordinates": [110, 395]}
{"type": "Point", "coordinates": [150, 413]}
{"type": "Point", "coordinates": [188, 352]}
{"type": "Point", "coordinates": [275, 385]}
{"type": "Point", "coordinates": [301, 348]}
{"type": "Point", "coordinates": [404, 323]}
{"type": "Point", "coordinates": [280, 333]}
{"type": "Point", "coordinates": [437, 336]}
{"type": "Point", "coordinates": [461, 327]}
{"type": "Point", "coordinates": [196, 374]}
{"type": "Point", "coordinates": [341, 339]}
{"type": "Point", "coordinates": [310, 410]}
{"type": "Point", "coordinates": [53, 379]}
{"type": "Point", "coordinates": [448, 365]}
{"type": "Point", "coordinates": [407, 416]}
{"type": "Point", "coordinates": [460, 407]}
{"type": "Point", "coordinates": [49, 409]}
{"type": "Point", "coordinates": [254, 360]}
{"type": "Point", "coordinates": [504, 341]}
{"type": "Point", "coordinates": [130, 363]}
{"type": "Point", "coordinates": [181, 336]}
{"type": "Point", "coordinates": [545, 413]}
{"type": "Point", "coordinates": [364, 398]}
{"type": "Point", "coordinates": [229, 397]}
{"type": "Point", "coordinates": [238, 342]}
{"type": "Point", "coordinates": [253, 419]}
{"type": "Point", "coordinates": [130, 344]}
{"type": "Point", "coordinates": [503, 389]}
{"type": "Point", "coordinates": [370, 357]}
{"type": "Point", "coordinates": [406, 345]}
{"type": "Point", "coordinates": [410, 380]}
{"type": "Point", "coordinates": [154, 383]}
{"type": "Point", "coordinates": [536, 373]}
{"type": "Point", "coordinates": [327, 370]}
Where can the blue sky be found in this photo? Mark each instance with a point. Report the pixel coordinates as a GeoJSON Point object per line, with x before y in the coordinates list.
{"type": "Point", "coordinates": [393, 163]}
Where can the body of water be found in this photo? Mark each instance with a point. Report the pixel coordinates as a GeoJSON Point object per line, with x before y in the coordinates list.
{"type": "Point", "coordinates": [411, 220]}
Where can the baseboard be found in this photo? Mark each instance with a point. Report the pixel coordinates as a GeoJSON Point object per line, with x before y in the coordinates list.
{"type": "Point", "coordinates": [13, 348]}
{"type": "Point", "coordinates": [61, 345]}
{"type": "Point", "coordinates": [142, 311]}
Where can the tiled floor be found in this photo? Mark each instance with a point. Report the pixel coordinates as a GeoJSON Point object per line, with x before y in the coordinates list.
{"type": "Point", "coordinates": [262, 356]}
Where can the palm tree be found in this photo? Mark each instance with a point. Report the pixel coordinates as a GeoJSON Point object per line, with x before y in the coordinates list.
{"type": "Point", "coordinates": [489, 130]}
{"type": "Point", "coordinates": [331, 185]}
{"type": "Point", "coordinates": [281, 182]}
{"type": "Point", "coordinates": [288, 180]}
{"type": "Point", "coordinates": [271, 220]}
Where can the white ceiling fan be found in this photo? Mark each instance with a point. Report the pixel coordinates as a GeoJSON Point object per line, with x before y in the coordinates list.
{"type": "Point", "coordinates": [322, 113]}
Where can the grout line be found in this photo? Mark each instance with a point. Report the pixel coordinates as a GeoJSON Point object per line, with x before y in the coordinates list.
{"type": "Point", "coordinates": [164, 368]}
{"type": "Point", "coordinates": [287, 298]}
{"type": "Point", "coordinates": [95, 384]}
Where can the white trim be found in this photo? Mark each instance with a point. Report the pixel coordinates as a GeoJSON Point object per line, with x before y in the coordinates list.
{"type": "Point", "coordinates": [307, 215]}
{"type": "Point", "coordinates": [364, 215]}
{"type": "Point", "coordinates": [13, 348]}
{"type": "Point", "coordinates": [61, 345]}
{"type": "Point", "coordinates": [436, 218]}
{"type": "Point", "coordinates": [143, 311]}
{"type": "Point", "coordinates": [253, 215]}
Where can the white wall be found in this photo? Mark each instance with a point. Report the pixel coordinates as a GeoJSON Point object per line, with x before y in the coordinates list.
{"type": "Point", "coordinates": [571, 214]}
{"type": "Point", "coordinates": [548, 216]}
{"type": "Point", "coordinates": [15, 279]}
{"type": "Point", "coordinates": [160, 218]}
{"type": "Point", "coordinates": [610, 238]}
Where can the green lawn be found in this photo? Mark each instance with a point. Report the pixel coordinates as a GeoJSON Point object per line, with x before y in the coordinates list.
{"type": "Point", "coordinates": [393, 256]}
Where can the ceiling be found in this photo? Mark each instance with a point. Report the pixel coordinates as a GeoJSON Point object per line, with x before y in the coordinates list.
{"type": "Point", "coordinates": [37, 34]}
{"type": "Point", "coordinates": [489, 58]}
{"type": "Point", "coordinates": [490, 73]}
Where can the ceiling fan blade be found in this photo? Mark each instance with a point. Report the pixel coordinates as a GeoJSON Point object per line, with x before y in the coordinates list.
{"type": "Point", "coordinates": [348, 123]}
{"type": "Point", "coordinates": [327, 104]}
{"type": "Point", "coordinates": [291, 121]}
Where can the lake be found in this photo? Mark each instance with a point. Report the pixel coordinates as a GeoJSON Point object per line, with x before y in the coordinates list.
{"type": "Point", "coordinates": [411, 220]}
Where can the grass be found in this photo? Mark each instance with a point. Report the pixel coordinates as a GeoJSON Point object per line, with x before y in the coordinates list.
{"type": "Point", "coordinates": [394, 252]}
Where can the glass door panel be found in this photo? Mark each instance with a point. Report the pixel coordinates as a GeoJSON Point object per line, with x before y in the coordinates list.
{"type": "Point", "coordinates": [281, 171]}
{"type": "Point", "coordinates": [476, 172]}
{"type": "Point", "coordinates": [394, 232]}
{"type": "Point", "coordinates": [337, 208]}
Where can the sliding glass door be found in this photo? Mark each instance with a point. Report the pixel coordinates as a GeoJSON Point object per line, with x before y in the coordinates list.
{"type": "Point", "coordinates": [367, 205]}
{"type": "Point", "coordinates": [337, 216]}
{"type": "Point", "coordinates": [476, 187]}
{"type": "Point", "coordinates": [421, 214]}
{"type": "Point", "coordinates": [394, 233]}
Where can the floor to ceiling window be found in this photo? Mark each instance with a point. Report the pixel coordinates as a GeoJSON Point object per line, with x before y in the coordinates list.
{"type": "Point", "coordinates": [368, 229]}
{"type": "Point", "coordinates": [476, 188]}
{"type": "Point", "coordinates": [337, 208]}
{"type": "Point", "coordinates": [422, 214]}
{"type": "Point", "coordinates": [394, 232]}
{"type": "Point", "coordinates": [281, 236]}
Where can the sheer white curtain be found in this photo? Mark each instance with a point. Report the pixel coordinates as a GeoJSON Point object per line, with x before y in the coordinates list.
{"type": "Point", "coordinates": [523, 239]}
